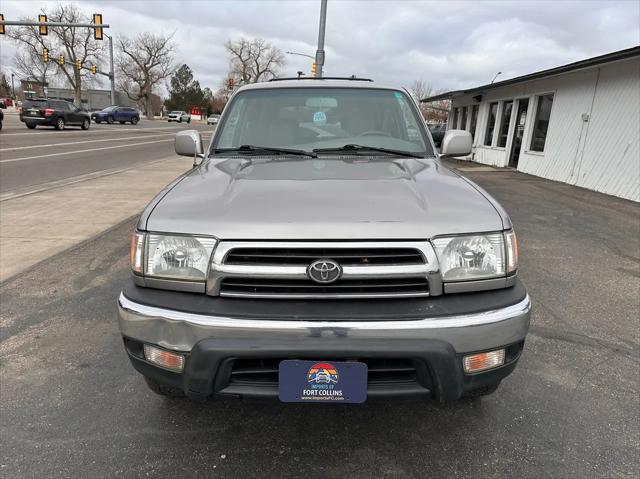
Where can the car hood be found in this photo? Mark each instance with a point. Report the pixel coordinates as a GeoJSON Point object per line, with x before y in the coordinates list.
{"type": "Point", "coordinates": [257, 198]}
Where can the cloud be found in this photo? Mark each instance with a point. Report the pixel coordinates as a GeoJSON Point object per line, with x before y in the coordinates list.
{"type": "Point", "coordinates": [448, 44]}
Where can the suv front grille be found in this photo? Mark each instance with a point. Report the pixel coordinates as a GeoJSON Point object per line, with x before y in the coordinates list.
{"type": "Point", "coordinates": [265, 288]}
{"type": "Point", "coordinates": [345, 256]}
{"type": "Point", "coordinates": [368, 269]}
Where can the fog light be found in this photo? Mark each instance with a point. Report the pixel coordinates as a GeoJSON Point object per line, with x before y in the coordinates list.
{"type": "Point", "coordinates": [163, 358]}
{"type": "Point", "coordinates": [482, 361]}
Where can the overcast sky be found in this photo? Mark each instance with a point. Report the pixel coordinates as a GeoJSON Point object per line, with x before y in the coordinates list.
{"type": "Point", "coordinates": [450, 45]}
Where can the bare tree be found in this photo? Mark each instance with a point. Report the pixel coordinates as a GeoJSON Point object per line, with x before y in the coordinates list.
{"type": "Point", "coordinates": [30, 66]}
{"type": "Point", "coordinates": [29, 62]}
{"type": "Point", "coordinates": [76, 44]}
{"type": "Point", "coordinates": [251, 61]}
{"type": "Point", "coordinates": [143, 62]}
{"type": "Point", "coordinates": [420, 89]}
{"type": "Point", "coordinates": [432, 111]}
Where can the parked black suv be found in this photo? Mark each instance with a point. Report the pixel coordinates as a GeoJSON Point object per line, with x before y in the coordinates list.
{"type": "Point", "coordinates": [56, 113]}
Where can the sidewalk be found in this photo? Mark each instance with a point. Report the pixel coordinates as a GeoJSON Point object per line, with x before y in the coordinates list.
{"type": "Point", "coordinates": [39, 225]}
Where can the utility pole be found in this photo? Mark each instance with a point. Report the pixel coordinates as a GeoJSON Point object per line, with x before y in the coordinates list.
{"type": "Point", "coordinates": [320, 50]}
{"type": "Point", "coordinates": [13, 88]}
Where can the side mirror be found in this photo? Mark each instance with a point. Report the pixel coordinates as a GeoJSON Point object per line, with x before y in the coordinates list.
{"type": "Point", "coordinates": [189, 143]}
{"type": "Point", "coordinates": [456, 143]}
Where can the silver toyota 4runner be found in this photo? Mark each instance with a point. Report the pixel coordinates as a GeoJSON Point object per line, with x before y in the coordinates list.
{"type": "Point", "coordinates": [319, 251]}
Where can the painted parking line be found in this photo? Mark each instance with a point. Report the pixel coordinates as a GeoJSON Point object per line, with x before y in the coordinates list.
{"type": "Point", "coordinates": [128, 145]}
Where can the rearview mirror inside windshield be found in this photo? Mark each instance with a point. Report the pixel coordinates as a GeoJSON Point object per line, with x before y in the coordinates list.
{"type": "Point", "coordinates": [321, 102]}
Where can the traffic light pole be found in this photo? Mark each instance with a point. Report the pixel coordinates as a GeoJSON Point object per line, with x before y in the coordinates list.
{"type": "Point", "coordinates": [96, 26]}
{"type": "Point", "coordinates": [112, 77]}
{"type": "Point", "coordinates": [321, 28]}
{"type": "Point", "coordinates": [52, 24]}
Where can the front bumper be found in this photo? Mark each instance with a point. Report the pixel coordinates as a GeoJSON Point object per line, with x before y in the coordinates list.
{"type": "Point", "coordinates": [215, 343]}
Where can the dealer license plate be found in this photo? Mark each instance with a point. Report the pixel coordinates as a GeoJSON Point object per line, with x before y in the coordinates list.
{"type": "Point", "coordinates": [322, 381]}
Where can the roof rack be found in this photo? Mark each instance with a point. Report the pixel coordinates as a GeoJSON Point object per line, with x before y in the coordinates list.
{"type": "Point", "coordinates": [352, 78]}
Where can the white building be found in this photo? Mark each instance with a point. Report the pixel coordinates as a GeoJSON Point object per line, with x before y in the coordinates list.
{"type": "Point", "coordinates": [578, 123]}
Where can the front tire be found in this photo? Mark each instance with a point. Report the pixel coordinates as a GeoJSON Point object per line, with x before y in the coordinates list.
{"type": "Point", "coordinates": [164, 390]}
{"type": "Point", "coordinates": [110, 120]}
{"type": "Point", "coordinates": [180, 120]}
{"type": "Point", "coordinates": [60, 124]}
{"type": "Point", "coordinates": [31, 126]}
{"type": "Point", "coordinates": [85, 124]}
{"type": "Point", "coordinates": [189, 120]}
{"type": "Point", "coordinates": [134, 121]}
{"type": "Point", "coordinates": [98, 121]}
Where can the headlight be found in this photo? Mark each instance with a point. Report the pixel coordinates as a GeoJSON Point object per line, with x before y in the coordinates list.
{"type": "Point", "coordinates": [171, 256]}
{"type": "Point", "coordinates": [472, 257]}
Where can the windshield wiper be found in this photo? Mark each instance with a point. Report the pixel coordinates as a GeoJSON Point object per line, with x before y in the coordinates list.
{"type": "Point", "coordinates": [257, 149]}
{"type": "Point", "coordinates": [354, 147]}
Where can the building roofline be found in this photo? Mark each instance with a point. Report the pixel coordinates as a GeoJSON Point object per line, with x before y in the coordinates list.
{"type": "Point", "coordinates": [570, 67]}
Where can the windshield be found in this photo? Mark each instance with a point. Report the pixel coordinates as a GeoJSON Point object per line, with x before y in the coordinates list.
{"type": "Point", "coordinates": [110, 108]}
{"type": "Point", "coordinates": [322, 118]}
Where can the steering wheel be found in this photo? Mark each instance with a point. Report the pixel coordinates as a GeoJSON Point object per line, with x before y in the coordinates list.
{"type": "Point", "coordinates": [374, 132]}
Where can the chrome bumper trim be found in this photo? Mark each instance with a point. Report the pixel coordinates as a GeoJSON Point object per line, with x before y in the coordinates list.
{"type": "Point", "coordinates": [463, 321]}
{"type": "Point", "coordinates": [181, 331]}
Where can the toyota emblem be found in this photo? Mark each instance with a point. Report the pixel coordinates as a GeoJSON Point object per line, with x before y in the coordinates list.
{"type": "Point", "coordinates": [324, 271]}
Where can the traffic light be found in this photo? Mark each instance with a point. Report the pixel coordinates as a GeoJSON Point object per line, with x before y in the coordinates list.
{"type": "Point", "coordinates": [78, 65]}
{"type": "Point", "coordinates": [45, 55]}
{"type": "Point", "coordinates": [61, 60]}
{"type": "Point", "coordinates": [44, 30]}
{"type": "Point", "coordinates": [97, 32]}
{"type": "Point", "coordinates": [1, 24]}
{"type": "Point", "coordinates": [314, 68]}
{"type": "Point", "coordinates": [94, 69]}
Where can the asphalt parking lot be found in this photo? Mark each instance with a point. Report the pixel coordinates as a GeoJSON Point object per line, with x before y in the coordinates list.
{"type": "Point", "coordinates": [73, 406]}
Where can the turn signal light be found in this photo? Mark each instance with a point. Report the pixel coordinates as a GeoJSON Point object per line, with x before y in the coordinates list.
{"type": "Point", "coordinates": [483, 361]}
{"type": "Point", "coordinates": [163, 358]}
{"type": "Point", "coordinates": [137, 244]}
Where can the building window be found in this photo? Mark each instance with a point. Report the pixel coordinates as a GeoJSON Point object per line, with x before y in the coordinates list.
{"type": "Point", "coordinates": [491, 123]}
{"type": "Point", "coordinates": [474, 120]}
{"type": "Point", "coordinates": [507, 108]}
{"type": "Point", "coordinates": [541, 122]}
{"type": "Point", "coordinates": [463, 123]}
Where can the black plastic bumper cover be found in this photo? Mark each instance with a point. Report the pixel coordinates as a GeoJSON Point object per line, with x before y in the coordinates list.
{"type": "Point", "coordinates": [440, 375]}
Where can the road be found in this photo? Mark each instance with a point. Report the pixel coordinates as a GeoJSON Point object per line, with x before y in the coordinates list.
{"type": "Point", "coordinates": [72, 406]}
{"type": "Point", "coordinates": [35, 158]}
